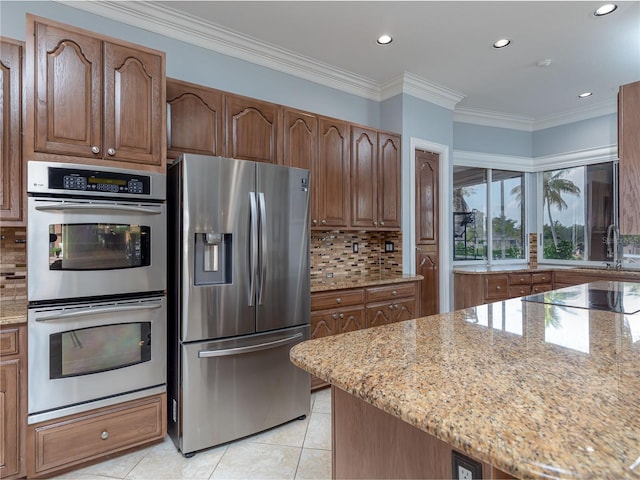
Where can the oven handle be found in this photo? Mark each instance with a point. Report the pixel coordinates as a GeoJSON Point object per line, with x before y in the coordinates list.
{"type": "Point", "coordinates": [98, 206]}
{"type": "Point", "coordinates": [251, 348]}
{"type": "Point", "coordinates": [81, 312]}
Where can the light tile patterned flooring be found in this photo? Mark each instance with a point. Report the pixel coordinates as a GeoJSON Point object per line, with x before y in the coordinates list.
{"type": "Point", "coordinates": [300, 449]}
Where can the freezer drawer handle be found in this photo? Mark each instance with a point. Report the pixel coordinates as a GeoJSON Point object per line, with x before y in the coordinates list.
{"type": "Point", "coordinates": [251, 348]}
{"type": "Point", "coordinates": [81, 312]}
{"type": "Point", "coordinates": [98, 206]}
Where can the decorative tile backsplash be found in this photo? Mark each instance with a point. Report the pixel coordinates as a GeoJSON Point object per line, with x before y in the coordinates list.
{"type": "Point", "coordinates": [332, 253]}
{"type": "Point", "coordinates": [13, 263]}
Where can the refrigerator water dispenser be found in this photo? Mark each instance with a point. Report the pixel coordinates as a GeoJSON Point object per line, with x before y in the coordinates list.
{"type": "Point", "coordinates": [212, 258]}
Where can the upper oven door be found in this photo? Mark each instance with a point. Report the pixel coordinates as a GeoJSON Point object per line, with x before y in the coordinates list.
{"type": "Point", "coordinates": [94, 248]}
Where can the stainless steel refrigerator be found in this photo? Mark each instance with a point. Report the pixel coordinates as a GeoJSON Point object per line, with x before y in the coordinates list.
{"type": "Point", "coordinates": [239, 298]}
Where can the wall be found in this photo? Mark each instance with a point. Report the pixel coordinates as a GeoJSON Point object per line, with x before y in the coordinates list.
{"type": "Point", "coordinates": [13, 264]}
{"type": "Point", "coordinates": [503, 141]}
{"type": "Point", "coordinates": [332, 253]}
{"type": "Point", "coordinates": [592, 133]}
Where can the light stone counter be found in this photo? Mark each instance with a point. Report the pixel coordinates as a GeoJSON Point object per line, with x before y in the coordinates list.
{"type": "Point", "coordinates": [355, 281]}
{"type": "Point", "coordinates": [12, 312]}
{"type": "Point", "coordinates": [537, 390]}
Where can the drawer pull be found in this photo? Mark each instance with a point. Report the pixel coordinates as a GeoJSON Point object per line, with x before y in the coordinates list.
{"type": "Point", "coordinates": [342, 315]}
{"type": "Point", "coordinates": [335, 316]}
{"type": "Point", "coordinates": [338, 300]}
{"type": "Point", "coordinates": [498, 287]}
{"type": "Point", "coordinates": [95, 149]}
{"type": "Point", "coordinates": [104, 435]}
{"type": "Point", "coordinates": [521, 280]}
{"type": "Point", "coordinates": [394, 293]}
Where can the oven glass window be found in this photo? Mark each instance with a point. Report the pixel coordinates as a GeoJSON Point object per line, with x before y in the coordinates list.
{"type": "Point", "coordinates": [99, 349]}
{"type": "Point", "coordinates": [98, 246]}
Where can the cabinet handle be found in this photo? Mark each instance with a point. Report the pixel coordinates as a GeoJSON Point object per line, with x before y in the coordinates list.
{"type": "Point", "coordinates": [104, 435]}
{"type": "Point", "coordinates": [95, 149]}
{"type": "Point", "coordinates": [395, 306]}
{"type": "Point", "coordinates": [324, 222]}
{"type": "Point", "coordinates": [338, 300]}
{"type": "Point", "coordinates": [342, 315]}
{"type": "Point", "coordinates": [315, 222]}
{"type": "Point", "coordinates": [394, 293]}
{"type": "Point", "coordinates": [391, 307]}
{"type": "Point", "coordinates": [335, 316]}
{"type": "Point", "coordinates": [521, 280]}
{"type": "Point", "coordinates": [375, 224]}
{"type": "Point", "coordinates": [498, 287]}
{"type": "Point", "coordinates": [111, 152]}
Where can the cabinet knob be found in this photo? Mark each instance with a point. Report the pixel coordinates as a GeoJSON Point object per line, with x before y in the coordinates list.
{"type": "Point", "coordinates": [342, 315]}
{"type": "Point", "coordinates": [498, 287]}
{"type": "Point", "coordinates": [335, 316]}
{"type": "Point", "coordinates": [338, 300]}
{"type": "Point", "coordinates": [375, 224]}
{"type": "Point", "coordinates": [315, 222]}
{"type": "Point", "coordinates": [382, 224]}
{"type": "Point", "coordinates": [395, 306]}
{"type": "Point", "coordinates": [111, 152]}
{"type": "Point", "coordinates": [521, 280]}
{"type": "Point", "coordinates": [391, 307]}
{"type": "Point", "coordinates": [394, 293]}
{"type": "Point", "coordinates": [104, 435]}
{"type": "Point", "coordinates": [324, 222]}
{"type": "Point", "coordinates": [95, 149]}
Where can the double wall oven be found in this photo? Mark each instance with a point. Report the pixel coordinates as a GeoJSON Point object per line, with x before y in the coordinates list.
{"type": "Point", "coordinates": [96, 262]}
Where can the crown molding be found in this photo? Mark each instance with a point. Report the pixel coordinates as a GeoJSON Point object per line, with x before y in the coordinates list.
{"type": "Point", "coordinates": [493, 119]}
{"type": "Point", "coordinates": [422, 89]}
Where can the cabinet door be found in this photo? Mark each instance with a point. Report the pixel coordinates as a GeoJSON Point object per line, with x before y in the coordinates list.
{"type": "Point", "coordinates": [333, 187]}
{"type": "Point", "coordinates": [427, 266]}
{"type": "Point", "coordinates": [404, 310]}
{"type": "Point", "coordinates": [301, 148]}
{"type": "Point", "coordinates": [380, 314]}
{"type": "Point", "coordinates": [322, 324]}
{"type": "Point", "coordinates": [11, 171]}
{"type": "Point", "coordinates": [351, 320]}
{"type": "Point", "coordinates": [629, 154]}
{"type": "Point", "coordinates": [134, 105]}
{"type": "Point", "coordinates": [68, 92]}
{"type": "Point", "coordinates": [252, 129]}
{"type": "Point", "coordinates": [389, 159]}
{"type": "Point", "coordinates": [364, 180]}
{"type": "Point", "coordinates": [194, 119]}
{"type": "Point", "coordinates": [9, 409]}
{"type": "Point", "coordinates": [427, 166]}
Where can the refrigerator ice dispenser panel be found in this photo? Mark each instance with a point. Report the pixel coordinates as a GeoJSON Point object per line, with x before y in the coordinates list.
{"type": "Point", "coordinates": [212, 258]}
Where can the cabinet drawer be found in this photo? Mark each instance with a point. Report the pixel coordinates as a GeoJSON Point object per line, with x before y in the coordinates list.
{"type": "Point", "coordinates": [541, 277]}
{"type": "Point", "coordinates": [87, 437]}
{"type": "Point", "coordinates": [496, 287]}
{"type": "Point", "coordinates": [519, 291]}
{"type": "Point", "coordinates": [519, 279]}
{"type": "Point", "coordinates": [9, 341]}
{"type": "Point", "coordinates": [340, 298]}
{"type": "Point", "coordinates": [389, 292]}
{"type": "Point", "coordinates": [541, 287]}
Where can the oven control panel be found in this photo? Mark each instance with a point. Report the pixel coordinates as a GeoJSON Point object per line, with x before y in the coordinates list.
{"type": "Point", "coordinates": [98, 181]}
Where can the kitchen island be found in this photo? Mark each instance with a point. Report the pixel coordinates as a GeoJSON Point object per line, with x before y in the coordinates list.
{"type": "Point", "coordinates": [541, 387]}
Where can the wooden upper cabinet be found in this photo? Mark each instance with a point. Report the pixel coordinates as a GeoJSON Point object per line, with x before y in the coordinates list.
{"type": "Point", "coordinates": [364, 179]}
{"type": "Point", "coordinates": [133, 104]}
{"type": "Point", "coordinates": [68, 92]}
{"type": "Point", "coordinates": [94, 97]}
{"type": "Point", "coordinates": [389, 182]}
{"type": "Point", "coordinates": [629, 154]}
{"type": "Point", "coordinates": [332, 175]}
{"type": "Point", "coordinates": [252, 129]}
{"type": "Point", "coordinates": [194, 119]}
{"type": "Point", "coordinates": [12, 178]}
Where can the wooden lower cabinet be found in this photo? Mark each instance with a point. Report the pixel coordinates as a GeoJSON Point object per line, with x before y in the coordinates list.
{"type": "Point", "coordinates": [347, 310]}
{"type": "Point", "coordinates": [82, 438]}
{"type": "Point", "coordinates": [13, 400]}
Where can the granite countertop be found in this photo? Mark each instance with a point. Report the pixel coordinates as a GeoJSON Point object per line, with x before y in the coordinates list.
{"type": "Point", "coordinates": [538, 389]}
{"type": "Point", "coordinates": [13, 312]}
{"type": "Point", "coordinates": [354, 281]}
{"type": "Point", "coordinates": [481, 269]}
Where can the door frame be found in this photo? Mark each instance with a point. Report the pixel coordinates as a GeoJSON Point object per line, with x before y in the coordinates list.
{"type": "Point", "coordinates": [444, 213]}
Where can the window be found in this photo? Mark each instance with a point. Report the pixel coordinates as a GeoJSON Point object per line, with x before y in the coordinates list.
{"type": "Point", "coordinates": [484, 216]}
{"type": "Point", "coordinates": [578, 207]}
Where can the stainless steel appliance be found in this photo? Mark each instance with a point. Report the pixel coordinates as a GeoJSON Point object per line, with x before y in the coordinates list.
{"type": "Point", "coordinates": [96, 262]}
{"type": "Point", "coordinates": [239, 298]}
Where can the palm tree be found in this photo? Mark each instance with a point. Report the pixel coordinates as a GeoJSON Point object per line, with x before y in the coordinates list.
{"type": "Point", "coordinates": [553, 187]}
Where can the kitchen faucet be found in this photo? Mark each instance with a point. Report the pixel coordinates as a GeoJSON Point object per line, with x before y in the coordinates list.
{"type": "Point", "coordinates": [613, 246]}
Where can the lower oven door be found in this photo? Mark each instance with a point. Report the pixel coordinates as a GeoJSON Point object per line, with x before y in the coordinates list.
{"type": "Point", "coordinates": [90, 248]}
{"type": "Point", "coordinates": [86, 353]}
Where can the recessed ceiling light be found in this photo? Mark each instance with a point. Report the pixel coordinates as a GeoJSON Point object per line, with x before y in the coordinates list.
{"type": "Point", "coordinates": [503, 42]}
{"type": "Point", "coordinates": [384, 40]}
{"type": "Point", "coordinates": [605, 9]}
{"type": "Point", "coordinates": [585, 94]}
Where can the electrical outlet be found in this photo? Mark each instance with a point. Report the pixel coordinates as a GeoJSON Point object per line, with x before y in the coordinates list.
{"type": "Point", "coordinates": [464, 473]}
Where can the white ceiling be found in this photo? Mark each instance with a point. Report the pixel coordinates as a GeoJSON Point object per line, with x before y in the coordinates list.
{"type": "Point", "coordinates": [441, 46]}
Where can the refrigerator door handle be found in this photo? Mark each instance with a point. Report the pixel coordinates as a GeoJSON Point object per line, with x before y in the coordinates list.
{"type": "Point", "coordinates": [248, 349]}
{"type": "Point", "coordinates": [253, 253]}
{"type": "Point", "coordinates": [263, 245]}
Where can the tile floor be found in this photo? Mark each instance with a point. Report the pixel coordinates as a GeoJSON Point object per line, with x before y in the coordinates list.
{"type": "Point", "coordinates": [300, 449]}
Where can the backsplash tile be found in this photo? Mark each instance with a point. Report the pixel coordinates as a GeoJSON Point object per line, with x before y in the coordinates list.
{"type": "Point", "coordinates": [13, 263]}
{"type": "Point", "coordinates": [332, 253]}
